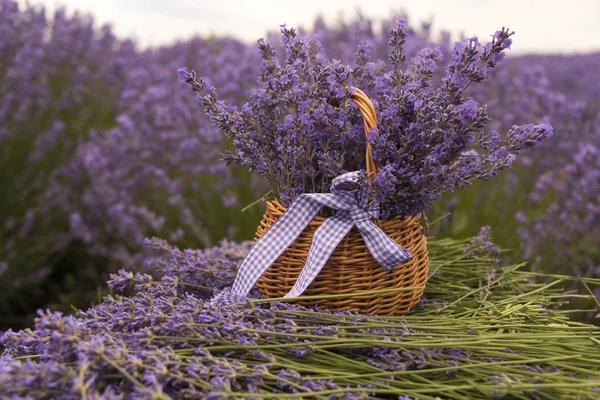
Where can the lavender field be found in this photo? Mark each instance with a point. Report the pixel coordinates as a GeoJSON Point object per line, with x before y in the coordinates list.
{"type": "Point", "coordinates": [133, 180]}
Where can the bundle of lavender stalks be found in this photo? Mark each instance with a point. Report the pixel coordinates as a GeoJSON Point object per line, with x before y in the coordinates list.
{"type": "Point", "coordinates": [483, 331]}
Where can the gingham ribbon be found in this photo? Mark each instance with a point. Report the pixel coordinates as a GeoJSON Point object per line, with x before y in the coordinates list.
{"type": "Point", "coordinates": [350, 197]}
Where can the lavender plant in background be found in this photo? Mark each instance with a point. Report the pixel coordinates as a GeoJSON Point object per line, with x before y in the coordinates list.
{"type": "Point", "coordinates": [558, 222]}
{"type": "Point", "coordinates": [157, 171]}
{"type": "Point", "coordinates": [559, 232]}
{"type": "Point", "coordinates": [341, 39]}
{"type": "Point", "coordinates": [60, 77]}
{"type": "Point", "coordinates": [100, 149]}
{"type": "Point", "coordinates": [301, 130]}
{"type": "Point", "coordinates": [582, 84]}
{"type": "Point", "coordinates": [562, 230]}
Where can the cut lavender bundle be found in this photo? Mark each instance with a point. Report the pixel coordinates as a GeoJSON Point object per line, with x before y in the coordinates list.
{"type": "Point", "coordinates": [477, 335]}
{"type": "Point", "coordinates": [300, 130]}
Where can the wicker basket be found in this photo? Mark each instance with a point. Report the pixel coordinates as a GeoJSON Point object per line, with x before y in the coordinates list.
{"type": "Point", "coordinates": [351, 268]}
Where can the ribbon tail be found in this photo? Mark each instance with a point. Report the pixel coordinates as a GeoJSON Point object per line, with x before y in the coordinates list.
{"type": "Point", "coordinates": [384, 249]}
{"type": "Point", "coordinates": [325, 239]}
{"type": "Point", "coordinates": [225, 297]}
{"type": "Point", "coordinates": [268, 248]}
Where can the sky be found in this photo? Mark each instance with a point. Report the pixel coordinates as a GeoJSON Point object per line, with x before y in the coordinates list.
{"type": "Point", "coordinates": [541, 26]}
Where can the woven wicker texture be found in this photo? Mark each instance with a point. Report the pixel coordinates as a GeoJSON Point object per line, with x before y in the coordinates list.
{"type": "Point", "coordinates": [351, 268]}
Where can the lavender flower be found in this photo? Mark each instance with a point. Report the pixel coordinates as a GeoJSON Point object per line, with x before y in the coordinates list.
{"type": "Point", "coordinates": [482, 245]}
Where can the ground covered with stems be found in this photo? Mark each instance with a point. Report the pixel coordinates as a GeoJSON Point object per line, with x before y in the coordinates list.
{"type": "Point", "coordinates": [482, 330]}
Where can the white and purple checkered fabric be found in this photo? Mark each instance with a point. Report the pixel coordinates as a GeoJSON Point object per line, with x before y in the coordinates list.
{"type": "Point", "coordinates": [349, 196]}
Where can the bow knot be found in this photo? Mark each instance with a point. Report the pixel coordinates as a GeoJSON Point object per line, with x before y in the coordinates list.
{"type": "Point", "coordinates": [349, 196]}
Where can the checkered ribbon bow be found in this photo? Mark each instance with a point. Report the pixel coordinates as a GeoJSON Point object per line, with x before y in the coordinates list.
{"type": "Point", "coordinates": [350, 197]}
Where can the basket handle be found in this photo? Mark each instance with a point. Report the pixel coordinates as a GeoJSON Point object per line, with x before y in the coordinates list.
{"type": "Point", "coordinates": [367, 110]}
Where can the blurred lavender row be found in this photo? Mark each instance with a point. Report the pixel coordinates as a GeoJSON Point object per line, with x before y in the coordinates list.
{"type": "Point", "coordinates": [101, 146]}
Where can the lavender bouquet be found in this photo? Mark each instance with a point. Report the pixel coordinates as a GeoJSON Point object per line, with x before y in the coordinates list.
{"type": "Point", "coordinates": [300, 129]}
